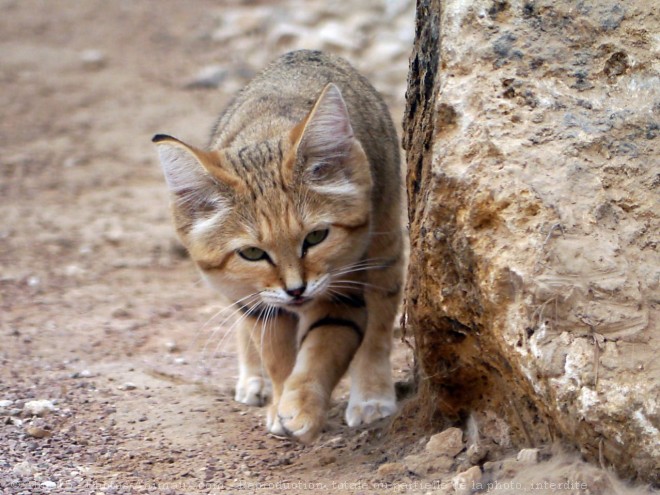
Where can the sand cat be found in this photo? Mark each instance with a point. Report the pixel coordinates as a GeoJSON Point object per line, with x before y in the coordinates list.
{"type": "Point", "coordinates": [293, 214]}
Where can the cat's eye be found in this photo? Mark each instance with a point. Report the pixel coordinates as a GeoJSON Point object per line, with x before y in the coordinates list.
{"type": "Point", "coordinates": [253, 254]}
{"type": "Point", "coordinates": [314, 238]}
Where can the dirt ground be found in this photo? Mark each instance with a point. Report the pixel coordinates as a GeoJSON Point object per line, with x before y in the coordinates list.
{"type": "Point", "coordinates": [101, 313]}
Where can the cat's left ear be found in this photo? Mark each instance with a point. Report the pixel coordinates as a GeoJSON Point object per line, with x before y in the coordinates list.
{"type": "Point", "coordinates": [327, 153]}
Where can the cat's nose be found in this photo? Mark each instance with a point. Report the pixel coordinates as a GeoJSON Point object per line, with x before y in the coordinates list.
{"type": "Point", "coordinates": [297, 292]}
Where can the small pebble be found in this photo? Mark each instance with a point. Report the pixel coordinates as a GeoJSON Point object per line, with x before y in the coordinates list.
{"type": "Point", "coordinates": [424, 464]}
{"type": "Point", "coordinates": [172, 347]}
{"type": "Point", "coordinates": [465, 481]}
{"type": "Point", "coordinates": [448, 442]}
{"type": "Point", "coordinates": [23, 468]}
{"type": "Point", "coordinates": [73, 271]}
{"type": "Point", "coordinates": [82, 374]}
{"type": "Point", "coordinates": [49, 484]}
{"type": "Point", "coordinates": [38, 407]}
{"type": "Point", "coordinates": [392, 469]}
{"type": "Point", "coordinates": [528, 456]}
{"type": "Point", "coordinates": [208, 77]}
{"type": "Point", "coordinates": [128, 386]}
{"type": "Point", "coordinates": [93, 59]}
{"type": "Point", "coordinates": [36, 432]}
{"type": "Point", "coordinates": [335, 442]}
{"type": "Point", "coordinates": [120, 313]}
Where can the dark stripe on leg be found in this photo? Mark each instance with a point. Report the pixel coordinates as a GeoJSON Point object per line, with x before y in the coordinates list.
{"type": "Point", "coordinates": [338, 322]}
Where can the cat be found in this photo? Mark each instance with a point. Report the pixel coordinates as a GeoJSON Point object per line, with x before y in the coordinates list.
{"type": "Point", "coordinates": [293, 213]}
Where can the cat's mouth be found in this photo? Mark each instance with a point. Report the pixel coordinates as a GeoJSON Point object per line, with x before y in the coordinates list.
{"type": "Point", "coordinates": [299, 301]}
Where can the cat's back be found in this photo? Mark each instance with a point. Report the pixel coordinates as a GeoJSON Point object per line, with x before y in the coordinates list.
{"type": "Point", "coordinates": [284, 93]}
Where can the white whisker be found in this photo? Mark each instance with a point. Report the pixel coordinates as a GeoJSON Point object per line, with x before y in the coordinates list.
{"type": "Point", "coordinates": [239, 306]}
{"type": "Point", "coordinates": [264, 329]}
{"type": "Point", "coordinates": [246, 313]}
{"type": "Point", "coordinates": [362, 265]}
{"type": "Point", "coordinates": [229, 331]}
{"type": "Point", "coordinates": [353, 284]}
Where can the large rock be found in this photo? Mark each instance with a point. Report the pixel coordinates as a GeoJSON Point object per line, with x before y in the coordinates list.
{"type": "Point", "coordinates": [531, 137]}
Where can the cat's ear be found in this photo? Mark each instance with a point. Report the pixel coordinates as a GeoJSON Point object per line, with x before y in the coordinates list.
{"type": "Point", "coordinates": [326, 134]}
{"type": "Point", "coordinates": [326, 149]}
{"type": "Point", "coordinates": [192, 175]}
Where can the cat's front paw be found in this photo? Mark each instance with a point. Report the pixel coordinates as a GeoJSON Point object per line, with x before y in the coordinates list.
{"type": "Point", "coordinates": [253, 391]}
{"type": "Point", "coordinates": [300, 415]}
{"type": "Point", "coordinates": [362, 410]}
{"type": "Point", "coordinates": [273, 422]}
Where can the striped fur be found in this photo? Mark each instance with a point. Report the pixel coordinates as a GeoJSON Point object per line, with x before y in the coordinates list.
{"type": "Point", "coordinates": [307, 147]}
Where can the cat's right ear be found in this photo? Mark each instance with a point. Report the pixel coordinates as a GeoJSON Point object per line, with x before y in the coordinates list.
{"type": "Point", "coordinates": [191, 174]}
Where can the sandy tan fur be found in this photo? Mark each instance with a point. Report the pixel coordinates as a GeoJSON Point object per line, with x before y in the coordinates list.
{"type": "Point", "coordinates": [307, 146]}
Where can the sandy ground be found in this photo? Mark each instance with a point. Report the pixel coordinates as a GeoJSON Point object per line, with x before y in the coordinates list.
{"type": "Point", "coordinates": [101, 312]}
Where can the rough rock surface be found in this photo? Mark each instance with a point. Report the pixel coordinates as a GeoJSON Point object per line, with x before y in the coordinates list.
{"type": "Point", "coordinates": [448, 442]}
{"type": "Point", "coordinates": [531, 137]}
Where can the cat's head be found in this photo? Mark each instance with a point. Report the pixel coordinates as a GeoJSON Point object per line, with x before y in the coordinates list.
{"type": "Point", "coordinates": [279, 222]}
